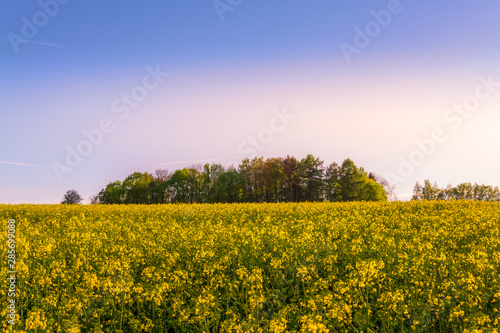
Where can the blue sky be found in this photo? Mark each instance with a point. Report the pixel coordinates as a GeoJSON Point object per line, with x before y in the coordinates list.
{"type": "Point", "coordinates": [67, 66]}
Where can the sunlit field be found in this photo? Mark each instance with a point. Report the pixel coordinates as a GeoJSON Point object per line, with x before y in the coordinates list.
{"type": "Point", "coordinates": [304, 267]}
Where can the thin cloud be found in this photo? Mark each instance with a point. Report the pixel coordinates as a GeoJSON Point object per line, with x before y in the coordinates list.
{"type": "Point", "coordinates": [38, 43]}
{"type": "Point", "coordinates": [26, 164]}
{"type": "Point", "coordinates": [46, 44]}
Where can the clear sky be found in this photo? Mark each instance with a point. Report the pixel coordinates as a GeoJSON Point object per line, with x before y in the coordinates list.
{"type": "Point", "coordinates": [407, 89]}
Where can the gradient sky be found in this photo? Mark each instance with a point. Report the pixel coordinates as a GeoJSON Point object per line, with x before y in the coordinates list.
{"type": "Point", "coordinates": [228, 77]}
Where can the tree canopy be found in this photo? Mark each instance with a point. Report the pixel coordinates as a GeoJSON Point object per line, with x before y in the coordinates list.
{"type": "Point", "coordinates": [254, 180]}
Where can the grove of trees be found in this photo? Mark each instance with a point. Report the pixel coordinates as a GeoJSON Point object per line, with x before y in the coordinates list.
{"type": "Point", "coordinates": [463, 191]}
{"type": "Point", "coordinates": [254, 180]}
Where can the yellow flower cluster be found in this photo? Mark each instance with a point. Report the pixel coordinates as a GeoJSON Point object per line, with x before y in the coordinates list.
{"type": "Point", "coordinates": [294, 267]}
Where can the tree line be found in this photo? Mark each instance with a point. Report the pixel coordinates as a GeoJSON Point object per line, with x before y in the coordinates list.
{"type": "Point", "coordinates": [254, 180]}
{"type": "Point", "coordinates": [463, 191]}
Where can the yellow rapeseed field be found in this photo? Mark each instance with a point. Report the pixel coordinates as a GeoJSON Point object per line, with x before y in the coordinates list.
{"type": "Point", "coordinates": [301, 267]}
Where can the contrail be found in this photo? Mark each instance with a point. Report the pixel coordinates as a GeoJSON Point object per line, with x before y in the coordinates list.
{"type": "Point", "coordinates": [26, 164]}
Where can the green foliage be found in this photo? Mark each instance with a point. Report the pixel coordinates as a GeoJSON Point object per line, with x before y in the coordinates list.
{"type": "Point", "coordinates": [291, 180]}
{"type": "Point", "coordinates": [311, 175]}
{"type": "Point", "coordinates": [231, 186]}
{"type": "Point", "coordinates": [112, 194]}
{"type": "Point", "coordinates": [137, 188]}
{"type": "Point", "coordinates": [255, 180]}
{"type": "Point", "coordinates": [350, 183]}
